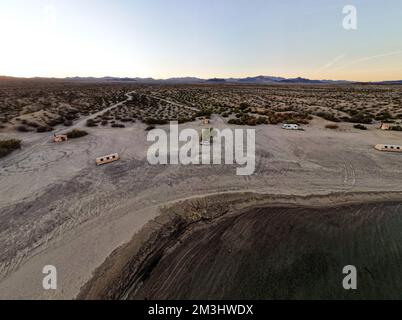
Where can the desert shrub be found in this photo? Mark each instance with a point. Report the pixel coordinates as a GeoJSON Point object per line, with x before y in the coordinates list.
{"type": "Point", "coordinates": [384, 116]}
{"type": "Point", "coordinates": [151, 121]}
{"type": "Point", "coordinates": [332, 126]}
{"type": "Point", "coordinates": [32, 124]}
{"type": "Point", "coordinates": [327, 116]}
{"type": "Point", "coordinates": [118, 125]}
{"type": "Point", "coordinates": [360, 126]}
{"type": "Point", "coordinates": [22, 128]}
{"type": "Point", "coordinates": [91, 123]}
{"type": "Point", "coordinates": [44, 129]}
{"type": "Point", "coordinates": [396, 128]}
{"type": "Point", "coordinates": [303, 121]}
{"type": "Point", "coordinates": [184, 120]}
{"type": "Point", "coordinates": [68, 123]}
{"type": "Point", "coordinates": [361, 118]}
{"type": "Point", "coordinates": [204, 113]}
{"type": "Point", "coordinates": [8, 146]}
{"type": "Point", "coordinates": [76, 133]}
{"type": "Point", "coordinates": [55, 122]}
{"type": "Point", "coordinates": [104, 122]}
{"type": "Point", "coordinates": [149, 128]}
{"type": "Point", "coordinates": [262, 120]}
{"type": "Point", "coordinates": [71, 116]}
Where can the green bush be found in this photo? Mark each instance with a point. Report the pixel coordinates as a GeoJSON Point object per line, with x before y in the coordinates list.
{"type": "Point", "coordinates": [74, 134]}
{"type": "Point", "coordinates": [8, 146]}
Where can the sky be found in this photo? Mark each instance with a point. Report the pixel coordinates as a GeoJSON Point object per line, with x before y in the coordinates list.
{"type": "Point", "coordinates": [201, 38]}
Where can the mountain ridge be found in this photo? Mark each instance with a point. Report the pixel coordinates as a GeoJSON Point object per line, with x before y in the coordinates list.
{"type": "Point", "coordinates": [194, 80]}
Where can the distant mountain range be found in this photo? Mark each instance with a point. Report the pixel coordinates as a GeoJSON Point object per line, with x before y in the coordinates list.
{"type": "Point", "coordinates": [193, 80]}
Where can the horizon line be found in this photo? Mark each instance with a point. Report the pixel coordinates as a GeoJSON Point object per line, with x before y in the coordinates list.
{"type": "Point", "coordinates": [193, 77]}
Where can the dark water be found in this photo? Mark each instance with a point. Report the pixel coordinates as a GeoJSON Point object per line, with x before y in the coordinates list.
{"type": "Point", "coordinates": [286, 253]}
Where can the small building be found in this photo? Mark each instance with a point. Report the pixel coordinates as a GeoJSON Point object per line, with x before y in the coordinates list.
{"type": "Point", "coordinates": [287, 126]}
{"type": "Point", "coordinates": [385, 126]}
{"type": "Point", "coordinates": [107, 159]}
{"type": "Point", "coordinates": [60, 138]}
{"type": "Point", "coordinates": [388, 147]}
{"type": "Point", "coordinates": [205, 121]}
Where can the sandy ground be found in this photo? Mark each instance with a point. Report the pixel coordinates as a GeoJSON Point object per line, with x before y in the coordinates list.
{"type": "Point", "coordinates": [58, 208]}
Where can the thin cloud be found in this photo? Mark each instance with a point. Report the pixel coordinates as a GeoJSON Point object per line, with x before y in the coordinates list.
{"type": "Point", "coordinates": [332, 62]}
{"type": "Point", "coordinates": [368, 58]}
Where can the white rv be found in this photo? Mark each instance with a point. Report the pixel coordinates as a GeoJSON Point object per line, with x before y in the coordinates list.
{"type": "Point", "coordinates": [288, 126]}
{"type": "Point", "coordinates": [388, 147]}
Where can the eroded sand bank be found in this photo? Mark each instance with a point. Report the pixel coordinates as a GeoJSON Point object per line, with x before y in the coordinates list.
{"type": "Point", "coordinates": [254, 246]}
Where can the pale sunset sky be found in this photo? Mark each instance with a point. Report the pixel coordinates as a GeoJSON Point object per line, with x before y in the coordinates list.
{"type": "Point", "coordinates": [201, 38]}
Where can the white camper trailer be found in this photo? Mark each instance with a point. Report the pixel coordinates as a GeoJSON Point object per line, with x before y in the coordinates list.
{"type": "Point", "coordinates": [107, 159]}
{"type": "Point", "coordinates": [388, 147]}
{"type": "Point", "coordinates": [288, 126]}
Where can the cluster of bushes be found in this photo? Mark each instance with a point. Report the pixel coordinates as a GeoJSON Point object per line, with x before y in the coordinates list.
{"type": "Point", "coordinates": [127, 120]}
{"type": "Point", "coordinates": [184, 119]}
{"type": "Point", "coordinates": [203, 113]}
{"type": "Point", "coordinates": [152, 121]}
{"type": "Point", "coordinates": [332, 126]}
{"type": "Point", "coordinates": [361, 118]}
{"type": "Point", "coordinates": [118, 125]}
{"type": "Point", "coordinates": [396, 128]}
{"type": "Point", "coordinates": [294, 118]}
{"type": "Point", "coordinates": [76, 133]}
{"type": "Point", "coordinates": [383, 116]}
{"type": "Point", "coordinates": [91, 123]}
{"type": "Point", "coordinates": [23, 128]}
{"type": "Point", "coordinates": [249, 120]}
{"type": "Point", "coordinates": [8, 146]}
{"type": "Point", "coordinates": [360, 126]}
{"type": "Point", "coordinates": [55, 122]}
{"type": "Point", "coordinates": [44, 129]}
{"type": "Point", "coordinates": [68, 123]}
{"type": "Point", "coordinates": [327, 116]}
{"type": "Point", "coordinates": [149, 128]}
